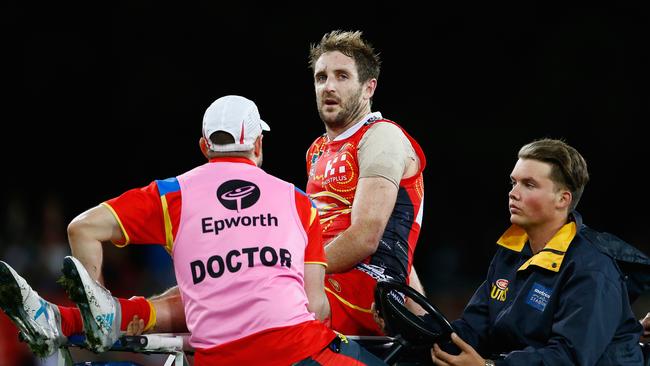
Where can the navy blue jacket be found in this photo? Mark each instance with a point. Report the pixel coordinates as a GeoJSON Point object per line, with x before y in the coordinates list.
{"type": "Point", "coordinates": [566, 305]}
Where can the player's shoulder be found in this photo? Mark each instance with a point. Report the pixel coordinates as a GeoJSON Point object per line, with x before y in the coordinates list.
{"type": "Point", "coordinates": [385, 125]}
{"type": "Point", "coordinates": [386, 128]}
{"type": "Point", "coordinates": [383, 130]}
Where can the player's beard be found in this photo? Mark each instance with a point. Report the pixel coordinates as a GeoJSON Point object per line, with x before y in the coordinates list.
{"type": "Point", "coordinates": [350, 112]}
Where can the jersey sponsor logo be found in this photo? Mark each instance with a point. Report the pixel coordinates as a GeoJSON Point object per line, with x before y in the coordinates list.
{"type": "Point", "coordinates": [238, 194]}
{"type": "Point", "coordinates": [499, 290]}
{"type": "Point", "coordinates": [376, 272]}
{"type": "Point", "coordinates": [337, 169]}
{"type": "Point", "coordinates": [538, 296]}
{"type": "Point", "coordinates": [236, 260]}
{"type": "Point", "coordinates": [331, 166]}
{"type": "Point", "coordinates": [210, 225]}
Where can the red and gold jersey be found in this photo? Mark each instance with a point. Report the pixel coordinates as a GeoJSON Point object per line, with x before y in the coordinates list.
{"type": "Point", "coordinates": [333, 168]}
{"type": "Point", "coordinates": [333, 176]}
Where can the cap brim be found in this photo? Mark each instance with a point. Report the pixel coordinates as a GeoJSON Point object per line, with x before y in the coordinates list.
{"type": "Point", "coordinates": [265, 126]}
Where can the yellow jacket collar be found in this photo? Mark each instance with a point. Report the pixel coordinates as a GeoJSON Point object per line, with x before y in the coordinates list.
{"type": "Point", "coordinates": [551, 256]}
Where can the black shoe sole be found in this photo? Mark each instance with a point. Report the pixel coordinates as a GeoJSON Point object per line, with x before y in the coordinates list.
{"type": "Point", "coordinates": [74, 287]}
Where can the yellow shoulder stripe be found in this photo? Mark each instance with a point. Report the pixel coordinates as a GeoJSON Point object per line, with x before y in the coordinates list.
{"type": "Point", "coordinates": [119, 222]}
{"type": "Point", "coordinates": [169, 238]}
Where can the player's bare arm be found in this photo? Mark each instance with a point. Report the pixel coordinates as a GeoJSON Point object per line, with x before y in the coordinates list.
{"type": "Point", "coordinates": [374, 201]}
{"type": "Point", "coordinates": [314, 278]}
{"type": "Point", "coordinates": [86, 233]}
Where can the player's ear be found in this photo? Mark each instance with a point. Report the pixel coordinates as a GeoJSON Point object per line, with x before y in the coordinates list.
{"type": "Point", "coordinates": [203, 145]}
{"type": "Point", "coordinates": [369, 88]}
{"type": "Point", "coordinates": [564, 199]}
{"type": "Point", "coordinates": [258, 145]}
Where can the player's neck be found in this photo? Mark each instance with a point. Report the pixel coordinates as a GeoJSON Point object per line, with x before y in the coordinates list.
{"type": "Point", "coordinates": [333, 131]}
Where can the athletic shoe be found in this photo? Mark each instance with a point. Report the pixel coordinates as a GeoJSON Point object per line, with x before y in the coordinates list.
{"type": "Point", "coordinates": [101, 312]}
{"type": "Point", "coordinates": [39, 321]}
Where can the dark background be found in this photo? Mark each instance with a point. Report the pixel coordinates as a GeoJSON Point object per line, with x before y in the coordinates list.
{"type": "Point", "coordinates": [102, 99]}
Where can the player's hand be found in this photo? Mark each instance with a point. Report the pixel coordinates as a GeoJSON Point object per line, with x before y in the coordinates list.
{"type": "Point", "coordinates": [467, 357]}
{"type": "Point", "coordinates": [135, 327]}
{"type": "Point", "coordinates": [379, 320]}
{"type": "Point", "coordinates": [646, 325]}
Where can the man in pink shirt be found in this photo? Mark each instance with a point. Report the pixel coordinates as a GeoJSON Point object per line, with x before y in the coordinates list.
{"type": "Point", "coordinates": [248, 258]}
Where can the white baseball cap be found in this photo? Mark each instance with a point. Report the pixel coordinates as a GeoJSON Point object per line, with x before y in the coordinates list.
{"type": "Point", "coordinates": [239, 117]}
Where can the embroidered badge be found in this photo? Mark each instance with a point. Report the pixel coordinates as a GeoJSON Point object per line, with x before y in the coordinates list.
{"type": "Point", "coordinates": [335, 284]}
{"type": "Point", "coordinates": [499, 289]}
{"type": "Point", "coordinates": [538, 296]}
{"type": "Point", "coordinates": [315, 157]}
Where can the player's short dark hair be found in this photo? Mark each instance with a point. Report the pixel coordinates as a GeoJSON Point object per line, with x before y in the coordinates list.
{"type": "Point", "coordinates": [224, 138]}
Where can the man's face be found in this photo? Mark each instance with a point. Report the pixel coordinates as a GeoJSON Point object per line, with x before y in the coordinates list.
{"type": "Point", "coordinates": [534, 197]}
{"type": "Point", "coordinates": [340, 97]}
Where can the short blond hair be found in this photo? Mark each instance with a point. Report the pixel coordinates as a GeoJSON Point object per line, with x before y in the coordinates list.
{"type": "Point", "coordinates": [351, 44]}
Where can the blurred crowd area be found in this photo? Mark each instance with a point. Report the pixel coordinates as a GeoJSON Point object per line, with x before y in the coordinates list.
{"type": "Point", "coordinates": [33, 241]}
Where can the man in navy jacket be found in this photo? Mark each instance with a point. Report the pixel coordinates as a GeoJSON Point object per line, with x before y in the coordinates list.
{"type": "Point", "coordinates": [552, 296]}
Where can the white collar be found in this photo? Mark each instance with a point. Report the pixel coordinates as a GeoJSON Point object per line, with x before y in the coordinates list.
{"type": "Point", "coordinates": [350, 131]}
